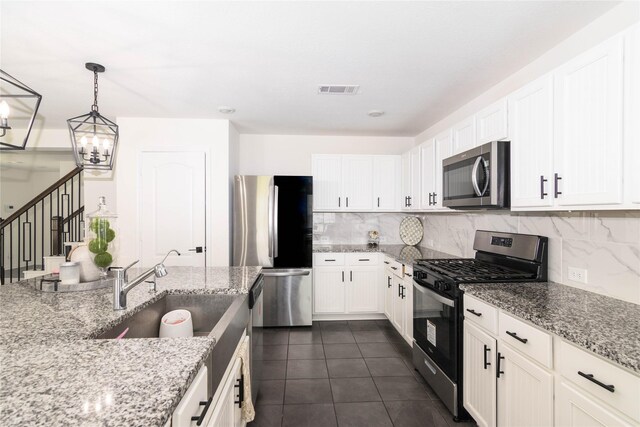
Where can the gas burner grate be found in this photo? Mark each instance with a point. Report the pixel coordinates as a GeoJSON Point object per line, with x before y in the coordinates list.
{"type": "Point", "coordinates": [469, 270]}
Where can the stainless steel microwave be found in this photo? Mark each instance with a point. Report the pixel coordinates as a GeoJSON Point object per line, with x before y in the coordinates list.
{"type": "Point", "coordinates": [477, 178]}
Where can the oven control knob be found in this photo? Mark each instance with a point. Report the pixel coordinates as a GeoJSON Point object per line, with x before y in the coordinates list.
{"type": "Point", "coordinates": [419, 275]}
{"type": "Point", "coordinates": [437, 284]}
{"type": "Point", "coordinates": [445, 286]}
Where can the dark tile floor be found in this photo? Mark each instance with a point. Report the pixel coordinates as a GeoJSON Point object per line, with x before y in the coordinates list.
{"type": "Point", "coordinates": [347, 374]}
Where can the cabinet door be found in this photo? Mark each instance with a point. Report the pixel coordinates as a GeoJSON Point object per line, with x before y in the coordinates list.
{"type": "Point", "coordinates": [386, 182]}
{"type": "Point", "coordinates": [357, 184]}
{"type": "Point", "coordinates": [388, 294]}
{"type": "Point", "coordinates": [225, 411]}
{"type": "Point", "coordinates": [405, 170]}
{"type": "Point", "coordinates": [444, 149]}
{"type": "Point", "coordinates": [577, 409]}
{"type": "Point", "coordinates": [479, 391]}
{"type": "Point", "coordinates": [531, 135]}
{"type": "Point", "coordinates": [398, 318]}
{"type": "Point", "coordinates": [588, 127]}
{"type": "Point", "coordinates": [525, 391]}
{"type": "Point", "coordinates": [328, 290]}
{"type": "Point", "coordinates": [414, 196]}
{"type": "Point", "coordinates": [632, 113]}
{"type": "Point", "coordinates": [464, 135]}
{"type": "Point", "coordinates": [327, 178]}
{"type": "Point", "coordinates": [363, 289]}
{"type": "Point", "coordinates": [491, 123]}
{"type": "Point", "coordinates": [428, 172]}
{"type": "Point", "coordinates": [408, 308]}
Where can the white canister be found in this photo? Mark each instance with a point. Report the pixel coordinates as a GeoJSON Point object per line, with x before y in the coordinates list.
{"type": "Point", "coordinates": [176, 323]}
{"type": "Point", "coordinates": [69, 273]}
{"type": "Point", "coordinates": [88, 270]}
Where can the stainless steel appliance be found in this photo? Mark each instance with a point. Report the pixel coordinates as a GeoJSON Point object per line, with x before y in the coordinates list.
{"type": "Point", "coordinates": [438, 311]}
{"type": "Point", "coordinates": [477, 178]}
{"type": "Point", "coordinates": [272, 227]}
{"type": "Point", "coordinates": [255, 330]}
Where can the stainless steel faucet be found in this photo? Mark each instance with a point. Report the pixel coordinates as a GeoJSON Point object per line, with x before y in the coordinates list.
{"type": "Point", "coordinates": [122, 286]}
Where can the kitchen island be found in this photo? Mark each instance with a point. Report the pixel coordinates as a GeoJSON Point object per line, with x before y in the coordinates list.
{"type": "Point", "coordinates": [54, 372]}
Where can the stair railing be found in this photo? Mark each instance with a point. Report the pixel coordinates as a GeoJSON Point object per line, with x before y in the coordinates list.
{"type": "Point", "coordinates": [40, 227]}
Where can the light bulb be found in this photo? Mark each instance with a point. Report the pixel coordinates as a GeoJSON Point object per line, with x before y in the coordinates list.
{"type": "Point", "coordinates": [95, 141]}
{"type": "Point", "coordinates": [105, 144]}
{"type": "Point", "coordinates": [4, 110]}
{"type": "Point", "coordinates": [83, 141]}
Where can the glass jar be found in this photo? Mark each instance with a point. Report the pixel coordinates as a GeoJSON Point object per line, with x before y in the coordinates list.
{"type": "Point", "coordinates": [102, 236]}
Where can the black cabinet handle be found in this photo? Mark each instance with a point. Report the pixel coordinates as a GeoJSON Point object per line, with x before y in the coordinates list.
{"type": "Point", "coordinates": [338, 201]}
{"type": "Point", "coordinates": [394, 268]}
{"type": "Point", "coordinates": [409, 199]}
{"type": "Point", "coordinates": [399, 292]}
{"type": "Point", "coordinates": [386, 262]}
{"type": "Point", "coordinates": [590, 377]}
{"type": "Point", "coordinates": [498, 371]}
{"type": "Point", "coordinates": [407, 274]}
{"type": "Point", "coordinates": [364, 259]}
{"type": "Point", "coordinates": [434, 199]}
{"type": "Point", "coordinates": [486, 361]}
{"type": "Point", "coordinates": [514, 335]}
{"type": "Point", "coordinates": [475, 313]}
{"type": "Point", "coordinates": [430, 194]}
{"type": "Point", "coordinates": [240, 387]}
{"type": "Point", "coordinates": [378, 201]}
{"type": "Point", "coordinates": [347, 202]}
{"type": "Point", "coordinates": [402, 295]}
{"type": "Point", "coordinates": [200, 418]}
{"type": "Point", "coordinates": [388, 281]}
{"type": "Point", "coordinates": [351, 276]}
{"type": "Point", "coordinates": [406, 203]}
{"type": "Point", "coordinates": [343, 277]}
{"type": "Point", "coordinates": [542, 181]}
{"type": "Point", "coordinates": [556, 178]}
{"type": "Point", "coordinates": [330, 260]}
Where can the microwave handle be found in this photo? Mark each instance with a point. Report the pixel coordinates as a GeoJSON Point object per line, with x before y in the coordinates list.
{"type": "Point", "coordinates": [474, 176]}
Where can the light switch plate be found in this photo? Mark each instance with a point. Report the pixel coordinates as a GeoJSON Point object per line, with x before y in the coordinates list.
{"type": "Point", "coordinates": [578, 274]}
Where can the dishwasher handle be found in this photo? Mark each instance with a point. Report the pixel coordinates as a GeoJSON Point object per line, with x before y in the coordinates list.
{"type": "Point", "coordinates": [285, 273]}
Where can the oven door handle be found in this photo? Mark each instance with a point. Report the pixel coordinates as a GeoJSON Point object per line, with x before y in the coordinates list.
{"type": "Point", "coordinates": [431, 294]}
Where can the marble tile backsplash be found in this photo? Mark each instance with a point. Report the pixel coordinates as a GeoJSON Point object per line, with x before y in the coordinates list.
{"type": "Point", "coordinates": [606, 244]}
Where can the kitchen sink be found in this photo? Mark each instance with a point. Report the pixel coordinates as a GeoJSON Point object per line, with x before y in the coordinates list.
{"type": "Point", "coordinates": [206, 313]}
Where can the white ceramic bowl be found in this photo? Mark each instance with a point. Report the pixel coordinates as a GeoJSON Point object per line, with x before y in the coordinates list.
{"type": "Point", "coordinates": [175, 324]}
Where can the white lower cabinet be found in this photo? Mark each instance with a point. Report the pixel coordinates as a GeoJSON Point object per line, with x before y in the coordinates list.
{"type": "Point", "coordinates": [228, 412]}
{"type": "Point", "coordinates": [399, 310]}
{"type": "Point", "coordinates": [407, 296]}
{"type": "Point", "coordinates": [398, 297]}
{"type": "Point", "coordinates": [525, 390]}
{"type": "Point", "coordinates": [328, 290]}
{"type": "Point", "coordinates": [191, 403]}
{"type": "Point", "coordinates": [575, 408]}
{"type": "Point", "coordinates": [362, 291]}
{"type": "Point", "coordinates": [388, 293]}
{"type": "Point", "coordinates": [479, 392]}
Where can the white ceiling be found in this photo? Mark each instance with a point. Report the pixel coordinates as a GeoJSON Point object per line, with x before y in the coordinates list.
{"type": "Point", "coordinates": [417, 61]}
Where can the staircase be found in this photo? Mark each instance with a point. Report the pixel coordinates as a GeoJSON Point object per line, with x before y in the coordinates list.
{"type": "Point", "coordinates": [32, 239]}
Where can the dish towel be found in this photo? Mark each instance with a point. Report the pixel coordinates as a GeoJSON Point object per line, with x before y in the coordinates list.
{"type": "Point", "coordinates": [248, 412]}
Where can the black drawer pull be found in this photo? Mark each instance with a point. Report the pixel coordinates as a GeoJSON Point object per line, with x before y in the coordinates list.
{"type": "Point", "coordinates": [486, 361]}
{"type": "Point", "coordinates": [329, 260]}
{"type": "Point", "coordinates": [475, 313]}
{"type": "Point", "coordinates": [590, 377]}
{"type": "Point", "coordinates": [498, 371]}
{"type": "Point", "coordinates": [514, 335]}
{"type": "Point", "coordinates": [407, 274]}
{"type": "Point", "coordinates": [364, 259]}
{"type": "Point", "coordinates": [388, 281]}
{"type": "Point", "coordinates": [386, 262]}
{"type": "Point", "coordinates": [240, 387]}
{"type": "Point", "coordinates": [200, 418]}
{"type": "Point", "coordinates": [394, 268]}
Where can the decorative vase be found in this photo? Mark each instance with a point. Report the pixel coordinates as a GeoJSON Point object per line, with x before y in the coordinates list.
{"type": "Point", "coordinates": [102, 236]}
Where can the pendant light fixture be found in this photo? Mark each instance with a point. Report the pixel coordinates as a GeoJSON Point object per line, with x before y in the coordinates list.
{"type": "Point", "coordinates": [16, 97]}
{"type": "Point", "coordinates": [94, 138]}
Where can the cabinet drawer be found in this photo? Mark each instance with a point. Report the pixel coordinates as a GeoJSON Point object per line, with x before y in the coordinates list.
{"type": "Point", "coordinates": [190, 405]}
{"type": "Point", "coordinates": [527, 339]}
{"type": "Point", "coordinates": [328, 258]}
{"type": "Point", "coordinates": [481, 314]}
{"type": "Point", "coordinates": [583, 369]}
{"type": "Point", "coordinates": [362, 258]}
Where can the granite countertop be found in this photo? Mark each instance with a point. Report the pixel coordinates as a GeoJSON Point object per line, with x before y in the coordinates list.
{"type": "Point", "coordinates": [52, 373]}
{"type": "Point", "coordinates": [403, 253]}
{"type": "Point", "coordinates": [603, 325]}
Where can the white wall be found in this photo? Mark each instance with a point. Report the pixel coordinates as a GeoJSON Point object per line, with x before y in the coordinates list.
{"type": "Point", "coordinates": [612, 22]}
{"type": "Point", "coordinates": [138, 134]}
{"type": "Point", "coordinates": [291, 154]}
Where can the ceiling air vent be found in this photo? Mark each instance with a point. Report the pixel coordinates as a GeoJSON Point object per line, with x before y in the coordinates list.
{"type": "Point", "coordinates": [338, 89]}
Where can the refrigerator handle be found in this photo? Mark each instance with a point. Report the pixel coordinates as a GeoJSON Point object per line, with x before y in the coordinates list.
{"type": "Point", "coordinates": [275, 222]}
{"type": "Point", "coordinates": [270, 216]}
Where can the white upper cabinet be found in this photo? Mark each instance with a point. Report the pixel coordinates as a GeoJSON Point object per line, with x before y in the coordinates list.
{"type": "Point", "coordinates": [531, 136]}
{"type": "Point", "coordinates": [464, 135]}
{"type": "Point", "coordinates": [357, 185]}
{"type": "Point", "coordinates": [386, 182]}
{"type": "Point", "coordinates": [444, 149]}
{"type": "Point", "coordinates": [632, 114]}
{"type": "Point", "coordinates": [428, 161]}
{"type": "Point", "coordinates": [327, 181]}
{"type": "Point", "coordinates": [588, 127]}
{"type": "Point", "coordinates": [411, 179]}
{"type": "Point", "coordinates": [491, 123]}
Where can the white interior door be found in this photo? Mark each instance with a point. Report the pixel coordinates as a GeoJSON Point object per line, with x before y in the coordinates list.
{"type": "Point", "coordinates": [173, 207]}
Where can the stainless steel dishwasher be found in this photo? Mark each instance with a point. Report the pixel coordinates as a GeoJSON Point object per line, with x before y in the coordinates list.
{"type": "Point", "coordinates": [287, 296]}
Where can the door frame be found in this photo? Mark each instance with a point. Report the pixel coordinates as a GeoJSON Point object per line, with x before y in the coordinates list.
{"type": "Point", "coordinates": [207, 200]}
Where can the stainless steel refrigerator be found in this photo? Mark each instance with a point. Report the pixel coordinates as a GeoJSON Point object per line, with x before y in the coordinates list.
{"type": "Point", "coordinates": [272, 228]}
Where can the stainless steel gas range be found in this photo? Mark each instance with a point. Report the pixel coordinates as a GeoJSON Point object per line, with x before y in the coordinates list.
{"type": "Point", "coordinates": [437, 303]}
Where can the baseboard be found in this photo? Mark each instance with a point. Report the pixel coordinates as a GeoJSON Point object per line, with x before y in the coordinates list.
{"type": "Point", "coordinates": [342, 316]}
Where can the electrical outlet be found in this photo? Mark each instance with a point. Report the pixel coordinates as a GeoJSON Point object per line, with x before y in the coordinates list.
{"type": "Point", "coordinates": [578, 274]}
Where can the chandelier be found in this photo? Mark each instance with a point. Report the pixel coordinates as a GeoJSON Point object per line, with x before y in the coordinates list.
{"type": "Point", "coordinates": [94, 138]}
{"type": "Point", "coordinates": [16, 96]}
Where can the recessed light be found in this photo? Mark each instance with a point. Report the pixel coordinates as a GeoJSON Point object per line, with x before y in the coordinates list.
{"type": "Point", "coordinates": [375, 113]}
{"type": "Point", "coordinates": [226, 110]}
